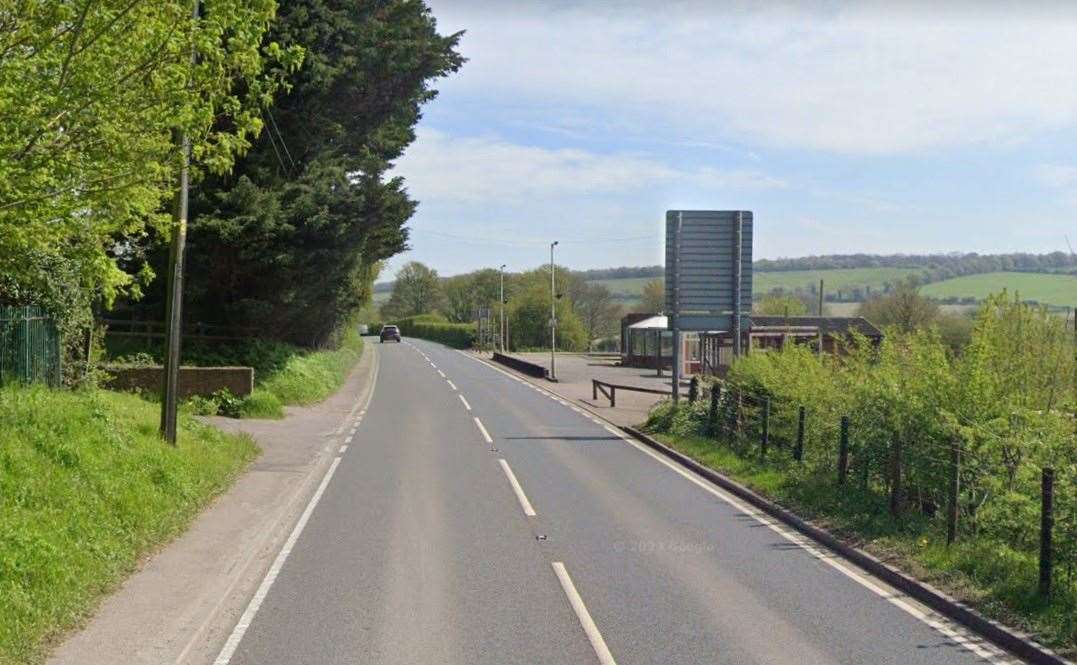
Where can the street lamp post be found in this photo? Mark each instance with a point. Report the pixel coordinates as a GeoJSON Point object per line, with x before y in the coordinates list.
{"type": "Point", "coordinates": [553, 317]}
{"type": "Point", "coordinates": [501, 328]}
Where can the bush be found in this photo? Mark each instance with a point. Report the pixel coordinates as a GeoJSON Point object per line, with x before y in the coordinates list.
{"type": "Point", "coordinates": [1006, 400]}
{"type": "Point", "coordinates": [261, 404]}
{"type": "Point", "coordinates": [228, 405]}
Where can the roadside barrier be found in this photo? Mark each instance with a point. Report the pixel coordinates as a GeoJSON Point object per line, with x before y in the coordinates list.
{"type": "Point", "coordinates": [521, 365]}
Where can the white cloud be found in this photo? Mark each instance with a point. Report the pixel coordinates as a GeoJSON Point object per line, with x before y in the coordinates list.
{"type": "Point", "coordinates": [442, 168]}
{"type": "Point", "coordinates": [851, 78]}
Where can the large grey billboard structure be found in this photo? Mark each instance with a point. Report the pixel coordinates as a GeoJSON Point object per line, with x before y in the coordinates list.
{"type": "Point", "coordinates": [708, 274]}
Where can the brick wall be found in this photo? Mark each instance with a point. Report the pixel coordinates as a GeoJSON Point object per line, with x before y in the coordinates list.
{"type": "Point", "coordinates": [202, 381]}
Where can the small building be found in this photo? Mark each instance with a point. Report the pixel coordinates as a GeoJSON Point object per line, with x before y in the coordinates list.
{"type": "Point", "coordinates": [646, 340]}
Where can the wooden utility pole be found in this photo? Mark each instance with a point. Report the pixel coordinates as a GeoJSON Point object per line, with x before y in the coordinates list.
{"type": "Point", "coordinates": [174, 293]}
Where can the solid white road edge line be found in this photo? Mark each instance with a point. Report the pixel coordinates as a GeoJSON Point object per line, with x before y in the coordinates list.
{"type": "Point", "coordinates": [943, 625]}
{"type": "Point", "coordinates": [343, 449]}
{"type": "Point", "coordinates": [466, 405]}
{"type": "Point", "coordinates": [935, 621]}
{"type": "Point", "coordinates": [263, 590]}
{"type": "Point", "coordinates": [485, 434]}
{"type": "Point", "coordinates": [520, 496]}
{"type": "Point", "coordinates": [348, 439]}
{"type": "Point", "coordinates": [589, 627]}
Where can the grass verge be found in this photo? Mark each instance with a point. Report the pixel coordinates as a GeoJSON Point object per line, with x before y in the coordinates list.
{"type": "Point", "coordinates": [997, 579]}
{"type": "Point", "coordinates": [86, 490]}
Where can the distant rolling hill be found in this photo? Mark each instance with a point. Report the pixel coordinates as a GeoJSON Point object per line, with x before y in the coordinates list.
{"type": "Point", "coordinates": [1049, 285]}
{"type": "Point", "coordinates": [1058, 290]}
{"type": "Point", "coordinates": [628, 290]}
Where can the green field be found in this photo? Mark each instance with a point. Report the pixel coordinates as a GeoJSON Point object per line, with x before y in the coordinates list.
{"type": "Point", "coordinates": [629, 289]}
{"type": "Point", "coordinates": [1044, 288]}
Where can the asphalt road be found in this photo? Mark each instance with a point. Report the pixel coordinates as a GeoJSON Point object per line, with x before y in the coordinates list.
{"type": "Point", "coordinates": [555, 542]}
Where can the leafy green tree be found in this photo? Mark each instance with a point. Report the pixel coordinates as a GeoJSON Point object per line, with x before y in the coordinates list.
{"type": "Point", "coordinates": [780, 305]}
{"type": "Point", "coordinates": [530, 321]}
{"type": "Point", "coordinates": [286, 243]}
{"type": "Point", "coordinates": [91, 95]}
{"type": "Point", "coordinates": [598, 311]}
{"type": "Point", "coordinates": [654, 297]}
{"type": "Point", "coordinates": [904, 308]}
{"type": "Point", "coordinates": [463, 294]}
{"type": "Point", "coordinates": [417, 290]}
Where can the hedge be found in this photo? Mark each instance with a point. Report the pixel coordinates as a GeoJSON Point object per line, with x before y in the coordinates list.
{"type": "Point", "coordinates": [436, 329]}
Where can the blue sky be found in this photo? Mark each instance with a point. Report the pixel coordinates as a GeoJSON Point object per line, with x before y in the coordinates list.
{"type": "Point", "coordinates": [843, 127]}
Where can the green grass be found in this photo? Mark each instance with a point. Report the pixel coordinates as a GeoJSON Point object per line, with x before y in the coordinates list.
{"type": "Point", "coordinates": [86, 490]}
{"type": "Point", "coordinates": [1049, 289]}
{"type": "Point", "coordinates": [843, 279]}
{"type": "Point", "coordinates": [308, 378]}
{"type": "Point", "coordinates": [991, 575]}
{"type": "Point", "coordinates": [629, 289]}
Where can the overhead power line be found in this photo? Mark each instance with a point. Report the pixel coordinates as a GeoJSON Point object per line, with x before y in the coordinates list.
{"type": "Point", "coordinates": [529, 243]}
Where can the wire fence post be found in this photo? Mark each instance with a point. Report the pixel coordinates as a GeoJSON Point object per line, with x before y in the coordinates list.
{"type": "Point", "coordinates": [843, 451]}
{"type": "Point", "coordinates": [734, 415]}
{"type": "Point", "coordinates": [764, 441]}
{"type": "Point", "coordinates": [712, 415]}
{"type": "Point", "coordinates": [953, 494]}
{"type": "Point", "coordinates": [693, 390]}
{"type": "Point", "coordinates": [895, 477]}
{"type": "Point", "coordinates": [1047, 524]}
{"type": "Point", "coordinates": [798, 449]}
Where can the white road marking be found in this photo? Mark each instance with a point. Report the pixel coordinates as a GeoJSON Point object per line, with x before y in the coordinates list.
{"type": "Point", "coordinates": [612, 431]}
{"type": "Point", "coordinates": [354, 429]}
{"type": "Point", "coordinates": [441, 373]}
{"type": "Point", "coordinates": [343, 449]}
{"type": "Point", "coordinates": [965, 637]}
{"type": "Point", "coordinates": [892, 596]}
{"type": "Point", "coordinates": [433, 365]}
{"type": "Point", "coordinates": [589, 627]}
{"type": "Point", "coordinates": [520, 496]}
{"type": "Point", "coordinates": [466, 405]}
{"type": "Point", "coordinates": [347, 439]}
{"type": "Point", "coordinates": [451, 384]}
{"type": "Point", "coordinates": [247, 618]}
{"type": "Point", "coordinates": [485, 434]}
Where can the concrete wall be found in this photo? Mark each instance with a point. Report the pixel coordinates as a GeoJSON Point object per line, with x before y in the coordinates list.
{"type": "Point", "coordinates": [202, 381]}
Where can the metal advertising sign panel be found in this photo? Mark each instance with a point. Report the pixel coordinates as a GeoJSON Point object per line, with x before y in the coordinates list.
{"type": "Point", "coordinates": [708, 269]}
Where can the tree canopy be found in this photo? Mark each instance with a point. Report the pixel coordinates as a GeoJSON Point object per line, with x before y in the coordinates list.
{"type": "Point", "coordinates": [290, 241]}
{"type": "Point", "coordinates": [417, 290]}
{"type": "Point", "coordinates": [91, 95]}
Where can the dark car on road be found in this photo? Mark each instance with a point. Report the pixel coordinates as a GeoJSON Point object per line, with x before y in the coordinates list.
{"type": "Point", "coordinates": [390, 333]}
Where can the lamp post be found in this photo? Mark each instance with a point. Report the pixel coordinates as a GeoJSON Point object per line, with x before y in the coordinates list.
{"type": "Point", "coordinates": [501, 329]}
{"type": "Point", "coordinates": [553, 316]}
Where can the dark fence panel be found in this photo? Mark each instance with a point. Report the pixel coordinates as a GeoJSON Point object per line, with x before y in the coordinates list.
{"type": "Point", "coordinates": [29, 346]}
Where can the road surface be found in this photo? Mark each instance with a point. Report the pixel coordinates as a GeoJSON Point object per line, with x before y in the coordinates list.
{"type": "Point", "coordinates": [474, 519]}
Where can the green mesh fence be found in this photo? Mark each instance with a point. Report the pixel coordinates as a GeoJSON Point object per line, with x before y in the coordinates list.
{"type": "Point", "coordinates": [29, 346]}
